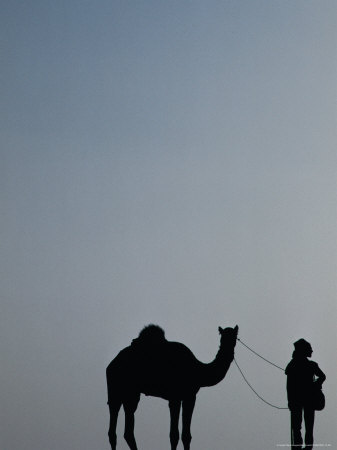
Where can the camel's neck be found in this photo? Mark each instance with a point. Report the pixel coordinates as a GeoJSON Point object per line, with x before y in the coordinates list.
{"type": "Point", "coordinates": [215, 371]}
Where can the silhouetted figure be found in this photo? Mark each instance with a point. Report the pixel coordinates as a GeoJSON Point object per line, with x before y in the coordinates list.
{"type": "Point", "coordinates": [154, 366]}
{"type": "Point", "coordinates": [302, 375]}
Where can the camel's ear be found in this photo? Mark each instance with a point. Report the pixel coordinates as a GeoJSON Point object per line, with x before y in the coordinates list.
{"type": "Point", "coordinates": [220, 330]}
{"type": "Point", "coordinates": [236, 329]}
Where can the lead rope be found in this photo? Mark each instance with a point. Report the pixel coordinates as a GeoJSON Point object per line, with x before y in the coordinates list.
{"type": "Point", "coordinates": [275, 365]}
{"type": "Point", "coordinates": [251, 387]}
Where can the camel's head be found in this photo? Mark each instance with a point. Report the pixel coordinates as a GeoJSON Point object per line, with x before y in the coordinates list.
{"type": "Point", "coordinates": [228, 335]}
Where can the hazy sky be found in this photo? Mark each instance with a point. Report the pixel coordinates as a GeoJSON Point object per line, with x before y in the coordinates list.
{"type": "Point", "coordinates": [170, 162]}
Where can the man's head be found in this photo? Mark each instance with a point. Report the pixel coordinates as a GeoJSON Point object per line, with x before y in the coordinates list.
{"type": "Point", "coordinates": [303, 347]}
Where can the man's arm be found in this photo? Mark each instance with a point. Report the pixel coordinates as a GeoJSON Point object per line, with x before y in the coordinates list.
{"type": "Point", "coordinates": [320, 375]}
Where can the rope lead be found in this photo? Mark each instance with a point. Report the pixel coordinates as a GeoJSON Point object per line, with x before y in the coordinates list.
{"type": "Point", "coordinates": [251, 387]}
{"type": "Point", "coordinates": [275, 365]}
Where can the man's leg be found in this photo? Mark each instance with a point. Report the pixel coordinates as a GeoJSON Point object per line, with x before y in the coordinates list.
{"type": "Point", "coordinates": [309, 418]}
{"type": "Point", "coordinates": [296, 423]}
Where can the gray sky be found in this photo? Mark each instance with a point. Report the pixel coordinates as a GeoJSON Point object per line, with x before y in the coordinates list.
{"type": "Point", "coordinates": [170, 162]}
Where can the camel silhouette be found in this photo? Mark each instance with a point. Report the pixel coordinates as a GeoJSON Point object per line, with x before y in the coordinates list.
{"type": "Point", "coordinates": [155, 366]}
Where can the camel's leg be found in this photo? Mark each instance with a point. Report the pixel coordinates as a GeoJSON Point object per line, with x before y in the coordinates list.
{"type": "Point", "coordinates": [114, 408]}
{"type": "Point", "coordinates": [130, 406]}
{"type": "Point", "coordinates": [174, 406]}
{"type": "Point", "coordinates": [188, 407]}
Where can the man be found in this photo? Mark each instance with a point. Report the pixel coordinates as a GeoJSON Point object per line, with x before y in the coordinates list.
{"type": "Point", "coordinates": [302, 378]}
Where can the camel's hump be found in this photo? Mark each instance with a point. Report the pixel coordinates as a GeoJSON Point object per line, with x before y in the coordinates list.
{"type": "Point", "coordinates": [169, 351]}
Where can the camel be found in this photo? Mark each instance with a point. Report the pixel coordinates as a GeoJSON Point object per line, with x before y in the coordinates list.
{"type": "Point", "coordinates": [154, 366]}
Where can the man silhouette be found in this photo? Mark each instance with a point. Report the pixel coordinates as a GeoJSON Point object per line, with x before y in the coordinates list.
{"type": "Point", "coordinates": [302, 377]}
